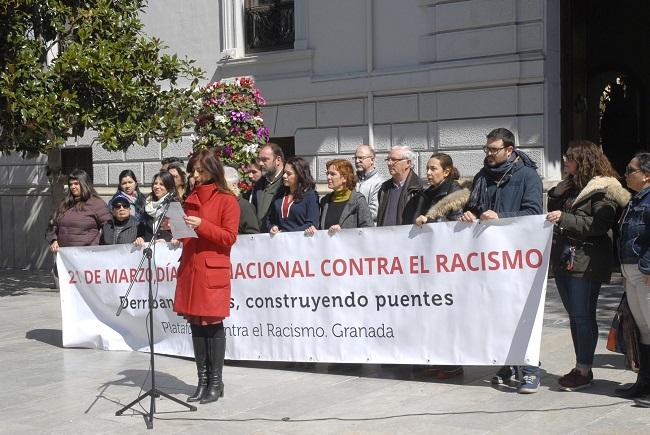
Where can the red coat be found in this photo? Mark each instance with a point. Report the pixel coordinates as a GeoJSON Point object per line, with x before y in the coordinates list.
{"type": "Point", "coordinates": [203, 280]}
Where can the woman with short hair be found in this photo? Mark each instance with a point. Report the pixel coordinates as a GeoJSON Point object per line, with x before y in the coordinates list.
{"type": "Point", "coordinates": [123, 228]}
{"type": "Point", "coordinates": [343, 207]}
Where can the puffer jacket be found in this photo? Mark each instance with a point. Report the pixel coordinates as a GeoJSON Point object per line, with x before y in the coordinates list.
{"type": "Point", "coordinates": [445, 202]}
{"type": "Point", "coordinates": [582, 244]}
{"type": "Point", "coordinates": [634, 240]}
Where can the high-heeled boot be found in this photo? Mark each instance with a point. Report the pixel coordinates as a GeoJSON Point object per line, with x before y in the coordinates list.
{"type": "Point", "coordinates": [216, 355]}
{"type": "Point", "coordinates": [201, 359]}
{"type": "Point", "coordinates": [642, 385]}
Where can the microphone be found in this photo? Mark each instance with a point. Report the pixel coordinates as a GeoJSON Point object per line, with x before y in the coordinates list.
{"type": "Point", "coordinates": [165, 200]}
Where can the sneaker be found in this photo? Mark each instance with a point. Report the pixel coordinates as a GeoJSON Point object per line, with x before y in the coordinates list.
{"type": "Point", "coordinates": [643, 402]}
{"type": "Point", "coordinates": [505, 375]}
{"type": "Point", "coordinates": [574, 380]}
{"type": "Point", "coordinates": [529, 384]}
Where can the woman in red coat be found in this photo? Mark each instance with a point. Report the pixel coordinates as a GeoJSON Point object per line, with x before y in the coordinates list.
{"type": "Point", "coordinates": [203, 285]}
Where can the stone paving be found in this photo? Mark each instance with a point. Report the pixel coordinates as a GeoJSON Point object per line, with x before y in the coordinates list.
{"type": "Point", "coordinates": [48, 389]}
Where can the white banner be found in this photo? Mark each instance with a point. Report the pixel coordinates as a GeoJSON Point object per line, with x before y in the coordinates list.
{"type": "Point", "coordinates": [446, 293]}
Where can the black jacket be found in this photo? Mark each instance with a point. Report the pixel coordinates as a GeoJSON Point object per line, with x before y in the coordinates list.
{"type": "Point", "coordinates": [113, 234]}
{"type": "Point", "coordinates": [408, 201]}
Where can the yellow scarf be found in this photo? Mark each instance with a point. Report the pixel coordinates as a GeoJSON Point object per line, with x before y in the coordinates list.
{"type": "Point", "coordinates": [341, 195]}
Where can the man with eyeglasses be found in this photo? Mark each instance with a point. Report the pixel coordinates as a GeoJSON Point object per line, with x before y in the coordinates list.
{"type": "Point", "coordinates": [507, 186]}
{"type": "Point", "coordinates": [369, 179]}
{"type": "Point", "coordinates": [398, 196]}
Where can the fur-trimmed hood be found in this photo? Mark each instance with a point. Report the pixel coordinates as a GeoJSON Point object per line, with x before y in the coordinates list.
{"type": "Point", "coordinates": [613, 189]}
{"type": "Point", "coordinates": [453, 203]}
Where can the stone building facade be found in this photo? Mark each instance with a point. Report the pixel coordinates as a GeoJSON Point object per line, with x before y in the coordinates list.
{"type": "Point", "coordinates": [435, 75]}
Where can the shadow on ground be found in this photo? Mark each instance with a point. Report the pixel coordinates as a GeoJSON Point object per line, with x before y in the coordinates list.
{"type": "Point", "coordinates": [52, 337]}
{"type": "Point", "coordinates": [20, 282]}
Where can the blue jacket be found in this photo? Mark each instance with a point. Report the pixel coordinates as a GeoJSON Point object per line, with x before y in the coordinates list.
{"type": "Point", "coordinates": [634, 240]}
{"type": "Point", "coordinates": [519, 193]}
{"type": "Point", "coordinates": [302, 214]}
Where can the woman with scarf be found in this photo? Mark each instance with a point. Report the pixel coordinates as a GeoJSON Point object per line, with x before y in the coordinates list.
{"type": "Point", "coordinates": [128, 185]}
{"type": "Point", "coordinates": [203, 283]}
{"type": "Point", "coordinates": [161, 186]}
{"type": "Point", "coordinates": [584, 207]}
{"type": "Point", "coordinates": [344, 207]}
{"type": "Point", "coordinates": [443, 200]}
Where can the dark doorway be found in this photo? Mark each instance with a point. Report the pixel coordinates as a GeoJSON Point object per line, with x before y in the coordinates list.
{"type": "Point", "coordinates": [604, 75]}
{"type": "Point", "coordinates": [287, 143]}
{"type": "Point", "coordinates": [77, 158]}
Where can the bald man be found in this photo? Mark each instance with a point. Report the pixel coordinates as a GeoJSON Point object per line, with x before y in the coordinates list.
{"type": "Point", "coordinates": [369, 179]}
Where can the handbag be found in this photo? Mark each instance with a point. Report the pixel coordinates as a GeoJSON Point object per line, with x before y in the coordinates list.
{"type": "Point", "coordinates": [623, 335]}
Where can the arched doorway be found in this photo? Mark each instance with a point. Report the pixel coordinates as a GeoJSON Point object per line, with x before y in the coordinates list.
{"type": "Point", "coordinates": [604, 75]}
{"type": "Point", "coordinates": [617, 122]}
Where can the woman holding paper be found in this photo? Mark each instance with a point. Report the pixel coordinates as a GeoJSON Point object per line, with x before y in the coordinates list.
{"type": "Point", "coordinates": [584, 207]}
{"type": "Point", "coordinates": [203, 284]}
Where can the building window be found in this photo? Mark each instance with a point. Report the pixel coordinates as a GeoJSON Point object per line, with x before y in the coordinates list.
{"type": "Point", "coordinates": [77, 158]}
{"type": "Point", "coordinates": [287, 143]}
{"type": "Point", "coordinates": [270, 25]}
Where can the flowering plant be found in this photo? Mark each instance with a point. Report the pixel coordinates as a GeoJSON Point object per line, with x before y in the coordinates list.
{"type": "Point", "coordinates": [230, 118]}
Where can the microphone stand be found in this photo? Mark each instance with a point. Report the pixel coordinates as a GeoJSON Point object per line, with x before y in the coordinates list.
{"type": "Point", "coordinates": [153, 392]}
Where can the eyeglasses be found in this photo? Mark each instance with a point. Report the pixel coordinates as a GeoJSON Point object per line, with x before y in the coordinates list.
{"type": "Point", "coordinates": [392, 160]}
{"type": "Point", "coordinates": [492, 151]}
{"type": "Point", "coordinates": [629, 170]}
{"type": "Point", "coordinates": [120, 205]}
{"type": "Point", "coordinates": [361, 158]}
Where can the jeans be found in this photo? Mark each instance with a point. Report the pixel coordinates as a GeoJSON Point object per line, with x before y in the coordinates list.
{"type": "Point", "coordinates": [580, 297]}
{"type": "Point", "coordinates": [638, 297]}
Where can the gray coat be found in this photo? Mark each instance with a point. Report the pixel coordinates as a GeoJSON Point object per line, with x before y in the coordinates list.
{"type": "Point", "coordinates": [356, 213]}
{"type": "Point", "coordinates": [369, 186]}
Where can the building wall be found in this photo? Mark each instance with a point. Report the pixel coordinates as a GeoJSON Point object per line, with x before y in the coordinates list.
{"type": "Point", "coordinates": [436, 75]}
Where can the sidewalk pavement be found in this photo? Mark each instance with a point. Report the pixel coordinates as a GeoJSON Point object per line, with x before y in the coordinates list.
{"type": "Point", "coordinates": [49, 389]}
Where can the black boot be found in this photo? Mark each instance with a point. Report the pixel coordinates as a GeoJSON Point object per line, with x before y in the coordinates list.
{"type": "Point", "coordinates": [201, 358]}
{"type": "Point", "coordinates": [642, 385]}
{"type": "Point", "coordinates": [216, 354]}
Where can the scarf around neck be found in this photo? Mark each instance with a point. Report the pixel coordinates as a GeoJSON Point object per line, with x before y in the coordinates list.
{"type": "Point", "coordinates": [341, 195]}
{"type": "Point", "coordinates": [479, 200]}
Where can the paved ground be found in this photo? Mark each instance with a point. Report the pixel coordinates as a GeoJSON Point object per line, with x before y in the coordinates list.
{"type": "Point", "coordinates": [48, 389]}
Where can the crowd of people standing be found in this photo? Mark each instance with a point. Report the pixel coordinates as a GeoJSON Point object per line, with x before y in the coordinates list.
{"type": "Point", "coordinates": [584, 208]}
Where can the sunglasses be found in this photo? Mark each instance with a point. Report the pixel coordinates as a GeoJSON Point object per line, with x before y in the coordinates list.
{"type": "Point", "coordinates": [120, 205]}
